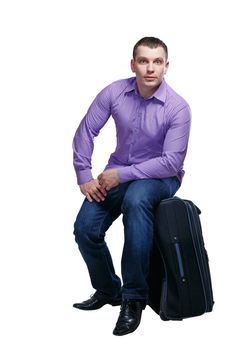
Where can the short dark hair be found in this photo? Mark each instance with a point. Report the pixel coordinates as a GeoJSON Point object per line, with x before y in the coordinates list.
{"type": "Point", "coordinates": [151, 42]}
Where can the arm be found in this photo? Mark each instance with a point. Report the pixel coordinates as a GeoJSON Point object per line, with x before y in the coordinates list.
{"type": "Point", "coordinates": [173, 155]}
{"type": "Point", "coordinates": [83, 142]}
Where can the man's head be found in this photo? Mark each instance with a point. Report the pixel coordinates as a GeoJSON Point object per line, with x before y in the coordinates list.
{"type": "Point", "coordinates": [152, 43]}
{"type": "Point", "coordinates": [150, 64]}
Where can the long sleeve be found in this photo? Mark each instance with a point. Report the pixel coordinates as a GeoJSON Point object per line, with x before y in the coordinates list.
{"type": "Point", "coordinates": [83, 142]}
{"type": "Point", "coordinates": [174, 151]}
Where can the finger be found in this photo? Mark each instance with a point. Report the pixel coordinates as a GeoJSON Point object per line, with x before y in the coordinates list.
{"type": "Point", "coordinates": [96, 195]}
{"type": "Point", "coordinates": [88, 196]}
{"type": "Point", "coordinates": [101, 182]}
{"type": "Point", "coordinates": [99, 177]}
{"type": "Point", "coordinates": [102, 190]}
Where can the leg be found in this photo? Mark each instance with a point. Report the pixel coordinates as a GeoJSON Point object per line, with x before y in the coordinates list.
{"type": "Point", "coordinates": [138, 217]}
{"type": "Point", "coordinates": [141, 198]}
{"type": "Point", "coordinates": [91, 224]}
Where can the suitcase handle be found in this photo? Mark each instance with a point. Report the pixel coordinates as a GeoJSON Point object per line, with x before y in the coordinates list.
{"type": "Point", "coordinates": [198, 210]}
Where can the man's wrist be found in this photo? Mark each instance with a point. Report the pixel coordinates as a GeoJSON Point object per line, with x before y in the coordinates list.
{"type": "Point", "coordinates": [124, 174]}
{"type": "Point", "coordinates": [84, 176]}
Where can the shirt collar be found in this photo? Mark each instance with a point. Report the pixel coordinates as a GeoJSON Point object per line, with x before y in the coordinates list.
{"type": "Point", "coordinates": [159, 94]}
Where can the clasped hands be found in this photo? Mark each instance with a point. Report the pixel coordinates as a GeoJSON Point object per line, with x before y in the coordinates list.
{"type": "Point", "coordinates": [97, 188]}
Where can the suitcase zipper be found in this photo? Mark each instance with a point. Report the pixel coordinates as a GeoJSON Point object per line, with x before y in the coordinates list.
{"type": "Point", "coordinates": [163, 298]}
{"type": "Point", "coordinates": [198, 241]}
{"type": "Point", "coordinates": [180, 261]}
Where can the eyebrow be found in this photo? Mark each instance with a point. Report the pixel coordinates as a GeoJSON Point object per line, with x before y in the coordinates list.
{"type": "Point", "coordinates": [145, 58]}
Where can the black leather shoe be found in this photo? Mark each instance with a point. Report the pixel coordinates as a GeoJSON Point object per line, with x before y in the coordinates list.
{"type": "Point", "coordinates": [95, 302]}
{"type": "Point", "coordinates": [130, 316]}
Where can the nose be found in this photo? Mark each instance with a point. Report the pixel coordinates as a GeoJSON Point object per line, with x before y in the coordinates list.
{"type": "Point", "coordinates": [150, 67]}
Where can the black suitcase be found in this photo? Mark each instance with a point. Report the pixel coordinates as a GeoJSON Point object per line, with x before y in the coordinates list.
{"type": "Point", "coordinates": [179, 279]}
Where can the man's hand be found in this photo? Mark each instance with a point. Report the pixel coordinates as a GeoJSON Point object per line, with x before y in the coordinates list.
{"type": "Point", "coordinates": [109, 179]}
{"type": "Point", "coordinates": [93, 190]}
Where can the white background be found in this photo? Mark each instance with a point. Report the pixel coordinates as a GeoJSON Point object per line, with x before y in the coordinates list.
{"type": "Point", "coordinates": [55, 57]}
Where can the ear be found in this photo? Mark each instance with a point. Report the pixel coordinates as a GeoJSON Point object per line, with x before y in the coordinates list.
{"type": "Point", "coordinates": [166, 67]}
{"type": "Point", "coordinates": [132, 64]}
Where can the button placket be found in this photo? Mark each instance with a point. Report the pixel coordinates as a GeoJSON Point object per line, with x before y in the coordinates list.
{"type": "Point", "coordinates": [135, 129]}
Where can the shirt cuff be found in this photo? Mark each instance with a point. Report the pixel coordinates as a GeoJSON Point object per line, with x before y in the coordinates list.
{"type": "Point", "coordinates": [125, 174]}
{"type": "Point", "coordinates": [84, 176]}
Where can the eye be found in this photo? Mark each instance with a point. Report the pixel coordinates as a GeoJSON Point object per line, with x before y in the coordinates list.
{"type": "Point", "coordinates": [158, 61]}
{"type": "Point", "coordinates": [142, 61]}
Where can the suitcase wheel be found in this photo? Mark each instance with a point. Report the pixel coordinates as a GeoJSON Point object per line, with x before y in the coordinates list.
{"type": "Point", "coordinates": [163, 317]}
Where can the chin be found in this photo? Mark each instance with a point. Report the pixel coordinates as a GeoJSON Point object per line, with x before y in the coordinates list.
{"type": "Point", "coordinates": [152, 84]}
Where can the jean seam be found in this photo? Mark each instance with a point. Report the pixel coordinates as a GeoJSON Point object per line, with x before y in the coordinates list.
{"type": "Point", "coordinates": [102, 223]}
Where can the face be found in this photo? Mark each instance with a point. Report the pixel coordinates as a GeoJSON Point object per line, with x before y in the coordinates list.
{"type": "Point", "coordinates": [149, 66]}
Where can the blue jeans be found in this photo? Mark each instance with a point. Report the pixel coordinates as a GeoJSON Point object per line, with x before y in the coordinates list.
{"type": "Point", "coordinates": [136, 200]}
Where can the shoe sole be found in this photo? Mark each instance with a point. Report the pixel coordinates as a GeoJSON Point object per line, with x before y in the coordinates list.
{"type": "Point", "coordinates": [127, 332]}
{"type": "Point", "coordinates": [112, 303]}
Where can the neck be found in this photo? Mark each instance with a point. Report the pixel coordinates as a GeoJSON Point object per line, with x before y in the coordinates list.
{"type": "Point", "coordinates": [146, 92]}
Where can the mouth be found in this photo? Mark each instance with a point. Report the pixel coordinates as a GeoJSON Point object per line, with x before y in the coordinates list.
{"type": "Point", "coordinates": [149, 78]}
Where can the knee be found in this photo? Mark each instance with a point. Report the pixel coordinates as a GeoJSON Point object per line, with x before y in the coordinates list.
{"type": "Point", "coordinates": [84, 233]}
{"type": "Point", "coordinates": [78, 231]}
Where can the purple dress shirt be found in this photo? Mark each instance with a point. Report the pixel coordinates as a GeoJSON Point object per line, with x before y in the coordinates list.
{"type": "Point", "coordinates": [152, 134]}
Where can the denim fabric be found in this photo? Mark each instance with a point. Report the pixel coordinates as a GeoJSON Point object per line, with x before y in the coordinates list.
{"type": "Point", "coordinates": [136, 201]}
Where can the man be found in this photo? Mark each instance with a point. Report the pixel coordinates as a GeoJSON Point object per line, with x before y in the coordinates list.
{"type": "Point", "coordinates": [152, 123]}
